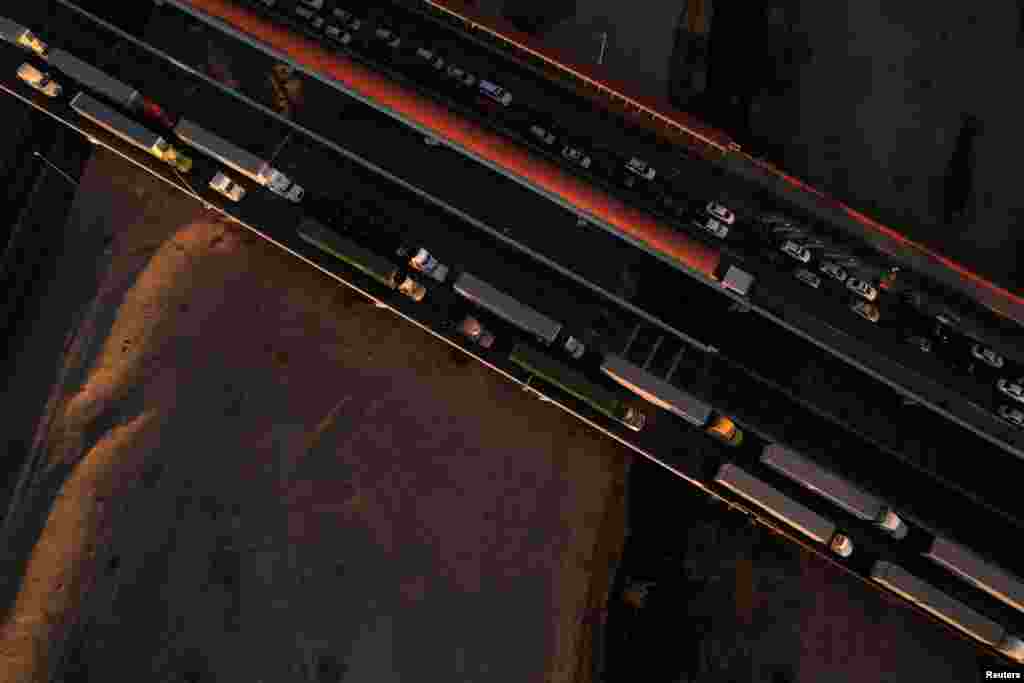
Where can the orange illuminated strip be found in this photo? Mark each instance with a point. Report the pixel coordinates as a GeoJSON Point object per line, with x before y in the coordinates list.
{"type": "Point", "coordinates": [472, 137]}
{"type": "Point", "coordinates": [575, 73]}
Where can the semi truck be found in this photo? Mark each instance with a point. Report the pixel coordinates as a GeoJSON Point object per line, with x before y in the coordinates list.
{"type": "Point", "coordinates": [15, 33]}
{"type": "Point", "coordinates": [131, 132]}
{"type": "Point", "coordinates": [575, 384]}
{"type": "Point", "coordinates": [376, 267]}
{"type": "Point", "coordinates": [246, 163]}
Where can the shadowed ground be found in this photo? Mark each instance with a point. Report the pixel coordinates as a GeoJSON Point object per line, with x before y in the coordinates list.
{"type": "Point", "coordinates": [244, 472]}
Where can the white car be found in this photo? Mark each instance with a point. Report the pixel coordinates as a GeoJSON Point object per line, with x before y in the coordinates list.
{"type": "Point", "coordinates": [428, 265]}
{"type": "Point", "coordinates": [862, 288]}
{"type": "Point", "coordinates": [835, 270]}
{"type": "Point", "coordinates": [389, 37]}
{"type": "Point", "coordinates": [575, 154]}
{"type": "Point", "coordinates": [641, 168]}
{"type": "Point", "coordinates": [721, 213]}
{"type": "Point", "coordinates": [867, 311]}
{"type": "Point", "coordinates": [798, 252]}
{"type": "Point", "coordinates": [987, 356]}
{"type": "Point", "coordinates": [807, 277]}
{"type": "Point", "coordinates": [227, 187]}
{"type": "Point", "coordinates": [1014, 390]}
{"type": "Point", "coordinates": [543, 134]}
{"type": "Point", "coordinates": [38, 80]}
{"type": "Point", "coordinates": [337, 34]}
{"type": "Point", "coordinates": [496, 93]}
{"type": "Point", "coordinates": [1012, 415]}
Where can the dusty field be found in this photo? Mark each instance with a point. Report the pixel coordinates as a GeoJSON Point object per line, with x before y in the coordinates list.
{"type": "Point", "coordinates": [247, 473]}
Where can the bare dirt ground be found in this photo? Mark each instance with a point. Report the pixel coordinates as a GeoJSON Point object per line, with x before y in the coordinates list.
{"type": "Point", "coordinates": [245, 472]}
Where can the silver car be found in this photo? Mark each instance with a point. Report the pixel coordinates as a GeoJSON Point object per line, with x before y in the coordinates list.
{"type": "Point", "coordinates": [862, 288]}
{"type": "Point", "coordinates": [721, 213]}
{"type": "Point", "coordinates": [641, 168]}
{"type": "Point", "coordinates": [389, 37]}
{"type": "Point", "coordinates": [1014, 390]}
{"type": "Point", "coordinates": [576, 154]}
{"type": "Point", "coordinates": [575, 347]}
{"type": "Point", "coordinates": [798, 252]}
{"type": "Point", "coordinates": [1012, 415]}
{"type": "Point", "coordinates": [835, 270]}
{"type": "Point", "coordinates": [807, 277]}
{"type": "Point", "coordinates": [543, 134]}
{"type": "Point", "coordinates": [987, 356]}
{"type": "Point", "coordinates": [337, 34]}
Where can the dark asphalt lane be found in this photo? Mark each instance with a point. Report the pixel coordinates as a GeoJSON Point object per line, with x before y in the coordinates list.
{"type": "Point", "coordinates": [804, 301]}
{"type": "Point", "coordinates": [268, 210]}
{"type": "Point", "coordinates": [710, 305]}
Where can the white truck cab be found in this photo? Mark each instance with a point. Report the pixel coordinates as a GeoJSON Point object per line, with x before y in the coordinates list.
{"type": "Point", "coordinates": [227, 187]}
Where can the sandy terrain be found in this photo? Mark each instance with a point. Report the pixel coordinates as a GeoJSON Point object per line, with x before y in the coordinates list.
{"type": "Point", "coordinates": [245, 472]}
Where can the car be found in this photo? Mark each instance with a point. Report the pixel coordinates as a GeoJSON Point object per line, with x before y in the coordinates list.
{"type": "Point", "coordinates": [227, 187]}
{"type": "Point", "coordinates": [862, 288]}
{"type": "Point", "coordinates": [435, 60]}
{"type": "Point", "coordinates": [388, 37]}
{"type": "Point", "coordinates": [38, 80]}
{"type": "Point", "coordinates": [796, 251]}
{"type": "Point", "coordinates": [1014, 390]}
{"type": "Point", "coordinates": [422, 261]}
{"type": "Point", "coordinates": [714, 226]}
{"type": "Point", "coordinates": [721, 213]}
{"type": "Point", "coordinates": [836, 271]}
{"type": "Point", "coordinates": [338, 34]}
{"type": "Point", "coordinates": [309, 15]}
{"type": "Point", "coordinates": [987, 356]}
{"type": "Point", "coordinates": [496, 93]}
{"type": "Point", "coordinates": [471, 328]}
{"type": "Point", "coordinates": [867, 311]}
{"type": "Point", "coordinates": [412, 289]}
{"type": "Point", "coordinates": [543, 134]}
{"type": "Point", "coordinates": [460, 75]}
{"type": "Point", "coordinates": [1012, 415]}
{"type": "Point", "coordinates": [313, 4]}
{"type": "Point", "coordinates": [807, 277]}
{"type": "Point", "coordinates": [576, 154]}
{"type": "Point", "coordinates": [575, 347]}
{"type": "Point", "coordinates": [924, 344]}
{"type": "Point", "coordinates": [641, 168]}
{"type": "Point", "coordinates": [347, 19]}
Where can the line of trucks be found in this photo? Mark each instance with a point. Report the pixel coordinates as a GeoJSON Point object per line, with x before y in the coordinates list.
{"type": "Point", "coordinates": [732, 477]}
{"type": "Point", "coordinates": [131, 100]}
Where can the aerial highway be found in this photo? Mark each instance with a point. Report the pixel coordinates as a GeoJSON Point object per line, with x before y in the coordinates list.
{"type": "Point", "coordinates": [933, 379]}
{"type": "Point", "coordinates": [689, 384]}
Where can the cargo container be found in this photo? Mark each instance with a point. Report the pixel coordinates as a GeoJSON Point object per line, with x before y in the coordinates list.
{"type": "Point", "coordinates": [778, 505]}
{"type": "Point", "coordinates": [854, 500]}
{"type": "Point", "coordinates": [577, 385]}
{"type": "Point", "coordinates": [129, 131]}
{"type": "Point", "coordinates": [244, 162]}
{"type": "Point", "coordinates": [949, 610]}
{"type": "Point", "coordinates": [987, 576]}
{"type": "Point", "coordinates": [376, 267]}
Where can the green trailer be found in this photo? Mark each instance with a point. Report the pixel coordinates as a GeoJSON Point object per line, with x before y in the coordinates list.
{"type": "Point", "coordinates": [574, 383]}
{"type": "Point", "coordinates": [377, 267]}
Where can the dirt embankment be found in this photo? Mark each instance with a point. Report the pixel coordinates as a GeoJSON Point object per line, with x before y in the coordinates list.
{"type": "Point", "coordinates": [254, 474]}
